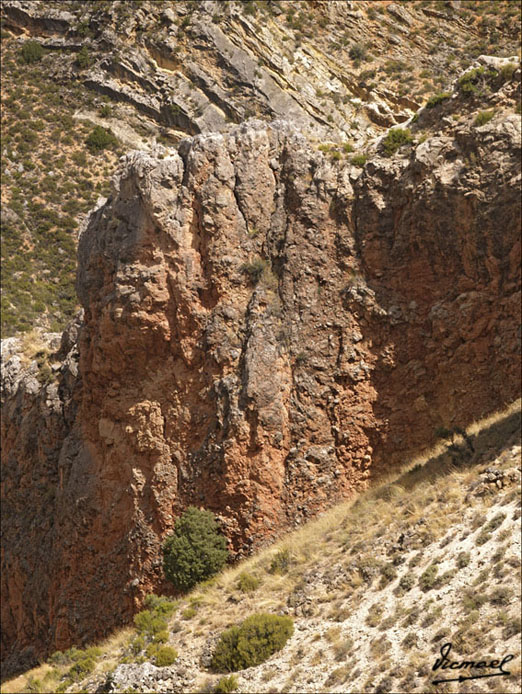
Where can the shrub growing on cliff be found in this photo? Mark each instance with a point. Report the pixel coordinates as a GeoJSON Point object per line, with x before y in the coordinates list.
{"type": "Point", "coordinates": [195, 551]}
{"type": "Point", "coordinates": [251, 643]}
{"type": "Point", "coordinates": [437, 99]}
{"type": "Point", "coordinates": [84, 58]}
{"type": "Point", "coordinates": [255, 269]}
{"type": "Point", "coordinates": [395, 138]}
{"type": "Point", "coordinates": [484, 117]}
{"type": "Point", "coordinates": [359, 160]}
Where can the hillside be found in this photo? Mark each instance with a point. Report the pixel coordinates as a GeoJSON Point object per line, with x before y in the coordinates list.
{"type": "Point", "coordinates": [253, 363]}
{"type": "Point", "coordinates": [257, 255]}
{"type": "Point", "coordinates": [375, 587]}
{"type": "Point", "coordinates": [342, 72]}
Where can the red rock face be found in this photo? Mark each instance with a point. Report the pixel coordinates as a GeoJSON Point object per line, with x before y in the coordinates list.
{"type": "Point", "coordinates": [260, 338]}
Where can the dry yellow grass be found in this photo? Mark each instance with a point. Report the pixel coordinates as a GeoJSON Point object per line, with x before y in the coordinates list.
{"type": "Point", "coordinates": [333, 537]}
{"type": "Point", "coordinates": [31, 343]}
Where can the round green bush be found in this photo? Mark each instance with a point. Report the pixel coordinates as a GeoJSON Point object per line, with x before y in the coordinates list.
{"type": "Point", "coordinates": [100, 139]}
{"type": "Point", "coordinates": [32, 52]}
{"type": "Point", "coordinates": [165, 656]}
{"type": "Point", "coordinates": [251, 643]}
{"type": "Point", "coordinates": [195, 551]}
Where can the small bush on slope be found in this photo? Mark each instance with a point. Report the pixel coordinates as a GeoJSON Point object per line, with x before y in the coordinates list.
{"type": "Point", "coordinates": [395, 138]}
{"type": "Point", "coordinates": [195, 551]}
{"type": "Point", "coordinates": [226, 684]}
{"type": "Point", "coordinates": [251, 643]}
{"type": "Point", "coordinates": [100, 139]}
{"type": "Point", "coordinates": [32, 52]}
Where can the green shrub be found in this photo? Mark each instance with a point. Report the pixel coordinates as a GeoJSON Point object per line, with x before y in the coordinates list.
{"type": "Point", "coordinates": [280, 562]}
{"type": "Point", "coordinates": [396, 138]}
{"type": "Point", "coordinates": [501, 596]}
{"type": "Point", "coordinates": [472, 599]}
{"type": "Point", "coordinates": [484, 117]}
{"type": "Point", "coordinates": [162, 636]}
{"type": "Point", "coordinates": [375, 612]}
{"type": "Point", "coordinates": [437, 99]}
{"type": "Point", "coordinates": [226, 684]}
{"type": "Point", "coordinates": [506, 71]}
{"type": "Point", "coordinates": [32, 52]}
{"type": "Point", "coordinates": [100, 139]}
{"type": "Point", "coordinates": [512, 628]}
{"type": "Point", "coordinates": [388, 574]}
{"type": "Point", "coordinates": [463, 559]}
{"type": "Point", "coordinates": [359, 160]}
{"type": "Point", "coordinates": [165, 656]}
{"type": "Point", "coordinates": [84, 58]}
{"type": "Point", "coordinates": [137, 645]}
{"type": "Point", "coordinates": [483, 537]}
{"type": "Point", "coordinates": [160, 604]}
{"type": "Point", "coordinates": [251, 643]}
{"type": "Point", "coordinates": [495, 522]}
{"type": "Point", "coordinates": [189, 612]}
{"type": "Point", "coordinates": [428, 579]}
{"type": "Point", "coordinates": [81, 669]}
{"type": "Point", "coordinates": [149, 623]}
{"type": "Point", "coordinates": [357, 53]}
{"type": "Point", "coordinates": [247, 583]}
{"type": "Point", "coordinates": [195, 551]}
{"type": "Point", "coordinates": [470, 83]}
{"type": "Point", "coordinates": [105, 111]}
{"type": "Point", "coordinates": [407, 582]}
{"type": "Point", "coordinates": [347, 147]}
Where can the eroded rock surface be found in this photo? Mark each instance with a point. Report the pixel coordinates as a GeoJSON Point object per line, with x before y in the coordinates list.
{"type": "Point", "coordinates": [264, 330]}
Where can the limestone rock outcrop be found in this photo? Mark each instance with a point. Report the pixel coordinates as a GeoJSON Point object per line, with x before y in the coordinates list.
{"type": "Point", "coordinates": [264, 331]}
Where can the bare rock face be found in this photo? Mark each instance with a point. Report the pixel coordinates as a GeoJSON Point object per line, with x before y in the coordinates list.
{"type": "Point", "coordinates": [264, 330]}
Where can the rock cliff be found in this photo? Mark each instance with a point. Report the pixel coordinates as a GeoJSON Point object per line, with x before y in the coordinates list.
{"type": "Point", "coordinates": [264, 330]}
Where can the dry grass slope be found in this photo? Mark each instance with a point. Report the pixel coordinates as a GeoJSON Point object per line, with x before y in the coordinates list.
{"type": "Point", "coordinates": [375, 587]}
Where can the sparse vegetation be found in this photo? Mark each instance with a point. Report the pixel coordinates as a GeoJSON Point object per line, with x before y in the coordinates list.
{"type": "Point", "coordinates": [255, 269]}
{"type": "Point", "coordinates": [501, 596]}
{"type": "Point", "coordinates": [384, 510]}
{"type": "Point", "coordinates": [280, 562]}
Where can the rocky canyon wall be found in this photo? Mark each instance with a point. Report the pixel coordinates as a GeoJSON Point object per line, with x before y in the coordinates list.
{"type": "Point", "coordinates": [264, 330]}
